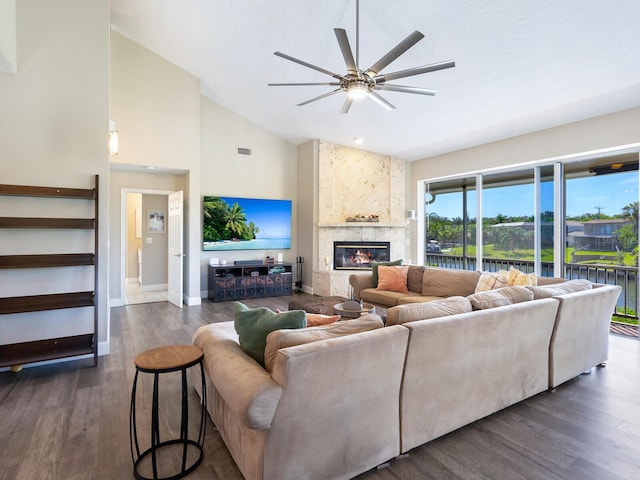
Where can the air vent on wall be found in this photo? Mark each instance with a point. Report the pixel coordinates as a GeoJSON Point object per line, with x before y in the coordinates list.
{"type": "Point", "coordinates": [244, 151]}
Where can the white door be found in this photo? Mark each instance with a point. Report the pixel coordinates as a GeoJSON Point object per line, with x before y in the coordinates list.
{"type": "Point", "coordinates": [176, 249]}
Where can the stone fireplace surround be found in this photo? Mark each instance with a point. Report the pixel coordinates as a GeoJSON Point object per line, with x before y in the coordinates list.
{"type": "Point", "coordinates": [354, 182]}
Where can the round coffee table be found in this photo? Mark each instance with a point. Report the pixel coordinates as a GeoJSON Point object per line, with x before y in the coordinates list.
{"type": "Point", "coordinates": [349, 312]}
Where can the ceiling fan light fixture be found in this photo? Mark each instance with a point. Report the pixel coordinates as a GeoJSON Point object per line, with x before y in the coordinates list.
{"type": "Point", "coordinates": [357, 91]}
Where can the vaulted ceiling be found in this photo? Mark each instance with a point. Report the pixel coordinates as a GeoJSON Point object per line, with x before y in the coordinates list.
{"type": "Point", "coordinates": [521, 65]}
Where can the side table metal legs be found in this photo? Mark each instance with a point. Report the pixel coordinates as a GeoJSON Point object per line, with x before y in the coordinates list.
{"type": "Point", "coordinates": [156, 444]}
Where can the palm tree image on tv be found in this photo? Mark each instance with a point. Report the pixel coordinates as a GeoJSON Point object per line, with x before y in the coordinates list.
{"type": "Point", "coordinates": [245, 223]}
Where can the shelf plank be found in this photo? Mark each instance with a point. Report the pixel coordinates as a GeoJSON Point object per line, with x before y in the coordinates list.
{"type": "Point", "coordinates": [48, 349]}
{"type": "Point", "coordinates": [59, 192]}
{"type": "Point", "coordinates": [38, 303]}
{"type": "Point", "coordinates": [46, 260]}
{"type": "Point", "coordinates": [20, 222]}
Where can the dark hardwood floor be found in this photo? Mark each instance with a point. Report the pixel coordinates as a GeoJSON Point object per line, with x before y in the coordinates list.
{"type": "Point", "coordinates": [71, 421]}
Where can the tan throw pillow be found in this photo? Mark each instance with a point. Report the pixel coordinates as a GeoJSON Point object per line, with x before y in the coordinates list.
{"type": "Point", "coordinates": [393, 278]}
{"type": "Point", "coordinates": [282, 338]}
{"type": "Point", "coordinates": [500, 297]}
{"type": "Point", "coordinates": [421, 311]}
{"type": "Point", "coordinates": [517, 278]}
{"type": "Point", "coordinates": [555, 289]}
{"type": "Point", "coordinates": [445, 282]}
{"type": "Point", "coordinates": [315, 319]}
{"type": "Point", "coordinates": [491, 281]}
{"type": "Point", "coordinates": [414, 278]}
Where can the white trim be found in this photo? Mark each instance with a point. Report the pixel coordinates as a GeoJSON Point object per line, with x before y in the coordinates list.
{"type": "Point", "coordinates": [192, 301]}
{"type": "Point", "coordinates": [479, 225]}
{"type": "Point", "coordinates": [559, 250]}
{"type": "Point", "coordinates": [123, 228]}
{"type": "Point", "coordinates": [154, 288]}
{"type": "Point", "coordinates": [116, 302]}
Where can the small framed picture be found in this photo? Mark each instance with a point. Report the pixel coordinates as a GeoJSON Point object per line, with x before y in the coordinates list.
{"type": "Point", "coordinates": [155, 221]}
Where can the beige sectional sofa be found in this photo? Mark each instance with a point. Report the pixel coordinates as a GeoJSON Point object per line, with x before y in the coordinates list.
{"type": "Point", "coordinates": [338, 401]}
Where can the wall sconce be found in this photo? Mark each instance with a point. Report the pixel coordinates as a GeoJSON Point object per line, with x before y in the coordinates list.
{"type": "Point", "coordinates": [113, 138]}
{"type": "Point", "coordinates": [411, 214]}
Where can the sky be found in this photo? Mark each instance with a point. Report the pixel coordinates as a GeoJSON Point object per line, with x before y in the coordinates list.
{"type": "Point", "coordinates": [272, 217]}
{"type": "Point", "coordinates": [605, 193]}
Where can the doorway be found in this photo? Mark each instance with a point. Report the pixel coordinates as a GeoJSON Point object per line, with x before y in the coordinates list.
{"type": "Point", "coordinates": [144, 246]}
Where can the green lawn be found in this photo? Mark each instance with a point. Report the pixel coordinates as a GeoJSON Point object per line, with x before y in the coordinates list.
{"type": "Point", "coordinates": [547, 255]}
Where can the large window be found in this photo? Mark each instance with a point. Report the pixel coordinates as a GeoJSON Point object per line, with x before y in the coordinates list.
{"type": "Point", "coordinates": [450, 227]}
{"type": "Point", "coordinates": [576, 219]}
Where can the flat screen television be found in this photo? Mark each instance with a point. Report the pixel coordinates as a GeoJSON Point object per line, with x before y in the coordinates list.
{"type": "Point", "coordinates": [231, 223]}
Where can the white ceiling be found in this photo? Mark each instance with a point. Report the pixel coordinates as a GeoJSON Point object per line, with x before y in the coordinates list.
{"type": "Point", "coordinates": [521, 65]}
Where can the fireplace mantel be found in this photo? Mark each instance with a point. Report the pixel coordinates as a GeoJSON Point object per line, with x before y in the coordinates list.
{"type": "Point", "coordinates": [361, 225]}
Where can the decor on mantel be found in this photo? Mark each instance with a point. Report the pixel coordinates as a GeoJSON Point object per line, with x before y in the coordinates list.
{"type": "Point", "coordinates": [362, 218]}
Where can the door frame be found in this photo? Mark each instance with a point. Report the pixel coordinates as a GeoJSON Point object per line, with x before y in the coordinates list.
{"type": "Point", "coordinates": [123, 231]}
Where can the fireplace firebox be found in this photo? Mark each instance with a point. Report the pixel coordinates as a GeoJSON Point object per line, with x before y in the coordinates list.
{"type": "Point", "coordinates": [359, 255]}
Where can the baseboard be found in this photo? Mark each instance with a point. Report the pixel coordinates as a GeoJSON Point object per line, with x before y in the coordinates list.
{"type": "Point", "coordinates": [154, 288]}
{"type": "Point", "coordinates": [192, 301]}
{"type": "Point", "coordinates": [131, 280]}
{"type": "Point", "coordinates": [116, 302]}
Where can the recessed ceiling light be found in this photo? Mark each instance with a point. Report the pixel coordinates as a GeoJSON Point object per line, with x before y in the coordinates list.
{"type": "Point", "coordinates": [150, 167]}
{"type": "Point", "coordinates": [358, 140]}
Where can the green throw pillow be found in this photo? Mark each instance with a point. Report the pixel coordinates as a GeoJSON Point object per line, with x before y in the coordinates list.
{"type": "Point", "coordinates": [374, 269]}
{"type": "Point", "coordinates": [254, 324]}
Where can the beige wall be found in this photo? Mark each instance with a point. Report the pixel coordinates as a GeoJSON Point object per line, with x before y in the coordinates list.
{"type": "Point", "coordinates": [597, 133]}
{"type": "Point", "coordinates": [307, 209]}
{"type": "Point", "coordinates": [269, 172]}
{"type": "Point", "coordinates": [156, 108]}
{"type": "Point", "coordinates": [53, 131]}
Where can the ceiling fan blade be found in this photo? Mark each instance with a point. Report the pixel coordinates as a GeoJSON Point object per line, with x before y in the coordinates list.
{"type": "Point", "coordinates": [394, 53]}
{"type": "Point", "coordinates": [343, 41]}
{"type": "Point", "coordinates": [324, 95]}
{"type": "Point", "coordinates": [405, 89]}
{"type": "Point", "coordinates": [415, 71]}
{"type": "Point", "coordinates": [330, 84]}
{"type": "Point", "coordinates": [347, 105]}
{"type": "Point", "coordinates": [381, 101]}
{"type": "Point", "coordinates": [308, 65]}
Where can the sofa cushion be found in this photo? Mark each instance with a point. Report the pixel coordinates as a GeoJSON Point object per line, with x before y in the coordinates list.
{"type": "Point", "coordinates": [551, 290]}
{"type": "Point", "coordinates": [422, 311]}
{"type": "Point", "coordinates": [393, 279]}
{"type": "Point", "coordinates": [414, 278]}
{"type": "Point", "coordinates": [288, 338]}
{"type": "Point", "coordinates": [254, 324]}
{"type": "Point", "coordinates": [491, 281]}
{"type": "Point", "coordinates": [374, 269]}
{"type": "Point", "coordinates": [315, 319]}
{"type": "Point", "coordinates": [500, 297]}
{"type": "Point", "coordinates": [413, 297]}
{"type": "Point", "coordinates": [381, 297]}
{"type": "Point", "coordinates": [444, 282]}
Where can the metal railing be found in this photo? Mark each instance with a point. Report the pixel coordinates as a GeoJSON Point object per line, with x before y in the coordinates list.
{"type": "Point", "coordinates": [626, 277]}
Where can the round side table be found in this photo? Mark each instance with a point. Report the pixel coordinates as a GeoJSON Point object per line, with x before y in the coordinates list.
{"type": "Point", "coordinates": [171, 358]}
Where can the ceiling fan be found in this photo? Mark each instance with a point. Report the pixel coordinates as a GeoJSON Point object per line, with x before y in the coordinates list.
{"type": "Point", "coordinates": [358, 83]}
